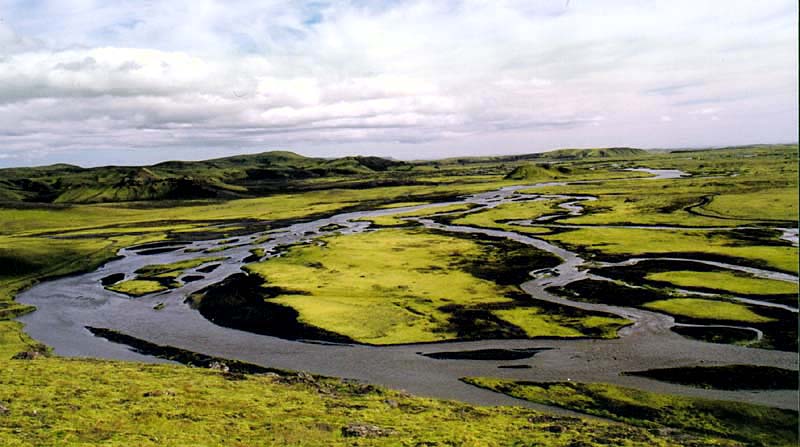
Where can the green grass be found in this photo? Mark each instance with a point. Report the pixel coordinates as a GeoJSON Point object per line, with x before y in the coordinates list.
{"type": "Point", "coordinates": [633, 242]}
{"type": "Point", "coordinates": [85, 402]}
{"type": "Point", "coordinates": [777, 204]}
{"type": "Point", "coordinates": [97, 218]}
{"type": "Point", "coordinates": [497, 216]}
{"type": "Point", "coordinates": [174, 269]}
{"type": "Point", "coordinates": [400, 286]}
{"type": "Point", "coordinates": [539, 324]}
{"type": "Point", "coordinates": [396, 219]}
{"type": "Point", "coordinates": [158, 277]}
{"type": "Point", "coordinates": [27, 260]}
{"type": "Point", "coordinates": [707, 309]}
{"type": "Point", "coordinates": [69, 402]}
{"type": "Point", "coordinates": [736, 283]}
{"type": "Point", "coordinates": [755, 425]}
{"type": "Point", "coordinates": [139, 287]}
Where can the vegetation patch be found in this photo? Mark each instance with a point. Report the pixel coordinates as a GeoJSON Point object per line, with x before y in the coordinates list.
{"type": "Point", "coordinates": [141, 287]}
{"type": "Point", "coordinates": [707, 310]}
{"type": "Point", "coordinates": [78, 402]}
{"type": "Point", "coordinates": [702, 278]}
{"type": "Point", "coordinates": [728, 377]}
{"type": "Point", "coordinates": [397, 220]}
{"type": "Point", "coordinates": [406, 286]}
{"type": "Point", "coordinates": [157, 277]}
{"type": "Point", "coordinates": [499, 216]}
{"type": "Point", "coordinates": [620, 243]}
{"type": "Point", "coordinates": [240, 301]}
{"type": "Point", "coordinates": [752, 424]}
{"type": "Point", "coordinates": [779, 326]}
{"type": "Point", "coordinates": [737, 283]}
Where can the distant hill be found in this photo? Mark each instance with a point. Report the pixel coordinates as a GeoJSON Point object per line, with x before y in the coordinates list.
{"type": "Point", "coordinates": [610, 152]}
{"type": "Point", "coordinates": [538, 172]}
{"type": "Point", "coordinates": [229, 177]}
{"type": "Point", "coordinates": [554, 155]}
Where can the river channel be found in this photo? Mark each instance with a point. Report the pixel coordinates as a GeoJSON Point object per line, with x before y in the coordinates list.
{"type": "Point", "coordinates": [67, 306]}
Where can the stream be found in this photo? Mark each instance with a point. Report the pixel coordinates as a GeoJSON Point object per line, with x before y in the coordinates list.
{"type": "Point", "coordinates": [66, 306]}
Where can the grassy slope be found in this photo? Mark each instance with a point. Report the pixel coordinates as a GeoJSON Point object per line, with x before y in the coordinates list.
{"type": "Point", "coordinates": [391, 286]}
{"type": "Point", "coordinates": [65, 402]}
{"type": "Point", "coordinates": [753, 424]}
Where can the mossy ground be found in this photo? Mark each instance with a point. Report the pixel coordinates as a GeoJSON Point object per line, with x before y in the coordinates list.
{"type": "Point", "coordinates": [615, 243]}
{"type": "Point", "coordinates": [396, 220]}
{"type": "Point", "coordinates": [779, 326]}
{"type": "Point", "coordinates": [158, 277]}
{"type": "Point", "coordinates": [68, 402]}
{"type": "Point", "coordinates": [497, 217]}
{"type": "Point", "coordinates": [60, 401]}
{"type": "Point", "coordinates": [707, 309]}
{"type": "Point", "coordinates": [732, 282]}
{"type": "Point", "coordinates": [404, 286]}
{"type": "Point", "coordinates": [752, 424]}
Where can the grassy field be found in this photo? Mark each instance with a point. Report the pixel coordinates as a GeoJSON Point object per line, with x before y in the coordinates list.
{"type": "Point", "coordinates": [752, 424]}
{"type": "Point", "coordinates": [707, 309]}
{"type": "Point", "coordinates": [404, 286]}
{"type": "Point", "coordinates": [614, 243]}
{"type": "Point", "coordinates": [779, 326]}
{"type": "Point", "coordinates": [497, 217]}
{"type": "Point", "coordinates": [157, 277]}
{"type": "Point", "coordinates": [395, 220]}
{"type": "Point", "coordinates": [408, 285]}
{"type": "Point", "coordinates": [736, 283]}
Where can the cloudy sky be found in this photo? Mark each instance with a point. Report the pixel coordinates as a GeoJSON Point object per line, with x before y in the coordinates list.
{"type": "Point", "coordinates": [135, 81]}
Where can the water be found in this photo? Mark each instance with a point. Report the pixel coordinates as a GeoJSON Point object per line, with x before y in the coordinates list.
{"type": "Point", "coordinates": [67, 305]}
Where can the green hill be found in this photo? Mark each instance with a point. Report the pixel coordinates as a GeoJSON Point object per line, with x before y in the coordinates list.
{"type": "Point", "coordinates": [610, 152]}
{"type": "Point", "coordinates": [222, 178]}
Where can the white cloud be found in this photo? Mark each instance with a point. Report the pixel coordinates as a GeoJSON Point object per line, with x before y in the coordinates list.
{"type": "Point", "coordinates": [311, 74]}
{"type": "Point", "coordinates": [704, 111]}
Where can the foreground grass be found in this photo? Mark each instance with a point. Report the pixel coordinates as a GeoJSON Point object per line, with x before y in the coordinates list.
{"type": "Point", "coordinates": [755, 425]}
{"type": "Point", "coordinates": [64, 402]}
{"type": "Point", "coordinates": [404, 286]}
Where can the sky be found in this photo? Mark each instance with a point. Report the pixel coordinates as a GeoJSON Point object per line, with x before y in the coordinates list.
{"type": "Point", "coordinates": [137, 81]}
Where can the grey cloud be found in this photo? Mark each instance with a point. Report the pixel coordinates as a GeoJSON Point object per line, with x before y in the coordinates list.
{"type": "Point", "coordinates": [85, 64]}
{"type": "Point", "coordinates": [129, 66]}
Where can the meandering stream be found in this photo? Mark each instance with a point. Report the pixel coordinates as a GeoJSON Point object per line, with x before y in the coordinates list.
{"type": "Point", "coordinates": [66, 306]}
